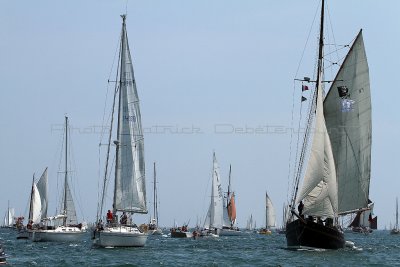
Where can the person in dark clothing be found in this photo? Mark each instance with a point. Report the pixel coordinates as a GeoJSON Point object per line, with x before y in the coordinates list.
{"type": "Point", "coordinates": [300, 208]}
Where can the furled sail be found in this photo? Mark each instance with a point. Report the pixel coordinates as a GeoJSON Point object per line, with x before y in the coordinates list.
{"type": "Point", "coordinates": [270, 219]}
{"type": "Point", "coordinates": [43, 191]}
{"type": "Point", "coordinates": [347, 110]}
{"type": "Point", "coordinates": [130, 190]}
{"type": "Point", "coordinates": [319, 189]}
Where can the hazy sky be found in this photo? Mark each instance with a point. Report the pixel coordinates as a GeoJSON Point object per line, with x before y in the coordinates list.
{"type": "Point", "coordinates": [209, 73]}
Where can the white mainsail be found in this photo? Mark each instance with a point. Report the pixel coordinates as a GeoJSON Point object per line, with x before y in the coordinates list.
{"type": "Point", "coordinates": [348, 120]}
{"type": "Point", "coordinates": [270, 217]}
{"type": "Point", "coordinates": [9, 217]}
{"type": "Point", "coordinates": [215, 212]}
{"type": "Point", "coordinates": [130, 189]}
{"type": "Point", "coordinates": [43, 192]}
{"type": "Point", "coordinates": [319, 189]}
{"type": "Point", "coordinates": [36, 208]}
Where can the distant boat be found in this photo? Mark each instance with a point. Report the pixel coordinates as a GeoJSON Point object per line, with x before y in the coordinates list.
{"type": "Point", "coordinates": [37, 207]}
{"type": "Point", "coordinates": [229, 213]}
{"type": "Point", "coordinates": [396, 230]}
{"type": "Point", "coordinates": [270, 217]}
{"type": "Point", "coordinates": [214, 219]}
{"type": "Point", "coordinates": [9, 217]}
{"type": "Point", "coordinates": [181, 232]}
{"type": "Point", "coordinates": [129, 180]}
{"type": "Point", "coordinates": [153, 225]}
{"type": "Point", "coordinates": [337, 176]}
{"type": "Point", "coordinates": [363, 222]}
{"type": "Point", "coordinates": [63, 227]}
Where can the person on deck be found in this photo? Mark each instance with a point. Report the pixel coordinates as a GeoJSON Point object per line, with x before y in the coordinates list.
{"type": "Point", "coordinates": [124, 218]}
{"type": "Point", "coordinates": [109, 216]}
{"type": "Point", "coordinates": [300, 208]}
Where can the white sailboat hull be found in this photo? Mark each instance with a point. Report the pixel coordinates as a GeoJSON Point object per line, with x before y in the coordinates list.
{"type": "Point", "coordinates": [229, 232]}
{"type": "Point", "coordinates": [123, 236]}
{"type": "Point", "coordinates": [60, 234]}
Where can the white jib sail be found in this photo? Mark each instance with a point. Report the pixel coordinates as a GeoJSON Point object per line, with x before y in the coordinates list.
{"type": "Point", "coordinates": [319, 189]}
{"type": "Point", "coordinates": [43, 192]}
{"type": "Point", "coordinates": [36, 205]}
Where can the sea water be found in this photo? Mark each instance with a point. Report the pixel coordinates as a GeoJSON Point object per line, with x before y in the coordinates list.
{"type": "Point", "coordinates": [376, 249]}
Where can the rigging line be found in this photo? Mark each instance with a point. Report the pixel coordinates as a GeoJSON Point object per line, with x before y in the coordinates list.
{"type": "Point", "coordinates": [108, 87]}
{"type": "Point", "coordinates": [110, 132]}
{"type": "Point", "coordinates": [294, 99]}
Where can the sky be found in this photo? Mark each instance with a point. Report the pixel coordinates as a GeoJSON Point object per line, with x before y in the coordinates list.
{"type": "Point", "coordinates": [212, 76]}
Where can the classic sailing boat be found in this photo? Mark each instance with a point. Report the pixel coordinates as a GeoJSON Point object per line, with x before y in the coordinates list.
{"type": "Point", "coordinates": [129, 181]}
{"type": "Point", "coordinates": [153, 225]}
{"type": "Point", "coordinates": [63, 227]}
{"type": "Point", "coordinates": [270, 217]}
{"type": "Point", "coordinates": [396, 230]}
{"type": "Point", "coordinates": [229, 212]}
{"type": "Point", "coordinates": [9, 217]}
{"type": "Point", "coordinates": [214, 219]}
{"type": "Point", "coordinates": [336, 181]}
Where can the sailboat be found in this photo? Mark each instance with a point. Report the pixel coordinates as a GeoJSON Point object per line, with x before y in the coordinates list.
{"type": "Point", "coordinates": [63, 227]}
{"type": "Point", "coordinates": [37, 207]}
{"type": "Point", "coordinates": [214, 219]}
{"type": "Point", "coordinates": [129, 180]}
{"type": "Point", "coordinates": [153, 225]}
{"type": "Point", "coordinates": [396, 230]}
{"type": "Point", "coordinates": [9, 217]}
{"type": "Point", "coordinates": [336, 180]}
{"type": "Point", "coordinates": [229, 213]}
{"type": "Point", "coordinates": [363, 222]}
{"type": "Point", "coordinates": [270, 217]}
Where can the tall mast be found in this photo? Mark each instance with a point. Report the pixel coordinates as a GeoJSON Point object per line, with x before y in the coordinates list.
{"type": "Point", "coordinates": [321, 47]}
{"type": "Point", "coordinates": [229, 186]}
{"type": "Point", "coordinates": [266, 210]}
{"type": "Point", "coordinates": [117, 143]}
{"type": "Point", "coordinates": [30, 216]}
{"type": "Point", "coordinates": [66, 171]}
{"type": "Point", "coordinates": [8, 212]}
{"type": "Point", "coordinates": [318, 81]}
{"type": "Point", "coordinates": [155, 196]}
{"type": "Point", "coordinates": [397, 214]}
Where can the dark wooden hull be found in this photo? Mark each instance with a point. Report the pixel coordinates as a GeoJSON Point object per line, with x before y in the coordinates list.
{"type": "Point", "coordinates": [308, 234]}
{"type": "Point", "coordinates": [179, 234]}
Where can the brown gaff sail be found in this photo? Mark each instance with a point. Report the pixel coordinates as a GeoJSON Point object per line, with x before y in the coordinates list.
{"type": "Point", "coordinates": [232, 209]}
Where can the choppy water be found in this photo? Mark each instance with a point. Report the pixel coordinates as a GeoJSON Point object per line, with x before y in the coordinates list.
{"type": "Point", "coordinates": [376, 249]}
